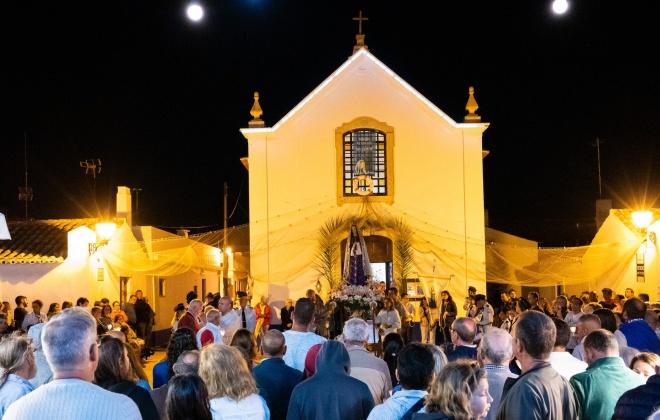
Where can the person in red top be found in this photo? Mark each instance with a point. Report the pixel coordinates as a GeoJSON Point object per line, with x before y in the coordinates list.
{"type": "Point", "coordinates": [191, 318]}
{"type": "Point", "coordinates": [264, 314]}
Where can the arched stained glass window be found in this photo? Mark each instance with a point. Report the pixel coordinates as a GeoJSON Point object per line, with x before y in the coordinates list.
{"type": "Point", "coordinates": [364, 155]}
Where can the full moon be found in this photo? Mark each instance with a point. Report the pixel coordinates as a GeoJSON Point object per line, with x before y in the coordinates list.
{"type": "Point", "coordinates": [195, 12]}
{"type": "Point", "coordinates": [560, 6]}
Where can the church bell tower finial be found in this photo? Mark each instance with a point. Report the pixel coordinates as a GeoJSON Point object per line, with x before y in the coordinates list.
{"type": "Point", "coordinates": [471, 108]}
{"type": "Point", "coordinates": [360, 36]}
{"type": "Point", "coordinates": [256, 113]}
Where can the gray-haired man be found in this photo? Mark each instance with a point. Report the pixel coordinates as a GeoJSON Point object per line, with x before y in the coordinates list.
{"type": "Point", "coordinates": [69, 342]}
{"type": "Point", "coordinates": [494, 354]}
{"type": "Point", "coordinates": [366, 367]}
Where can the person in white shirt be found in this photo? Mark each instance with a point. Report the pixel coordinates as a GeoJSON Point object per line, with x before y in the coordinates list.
{"type": "Point", "coordinates": [571, 319]}
{"type": "Point", "coordinates": [211, 331]}
{"type": "Point", "coordinates": [69, 341]}
{"type": "Point", "coordinates": [484, 315]}
{"type": "Point", "coordinates": [229, 321]}
{"type": "Point", "coordinates": [299, 339]}
{"type": "Point", "coordinates": [388, 319]}
{"type": "Point", "coordinates": [560, 359]}
{"type": "Point", "coordinates": [246, 314]}
{"type": "Point", "coordinates": [586, 324]}
{"type": "Point", "coordinates": [34, 317]}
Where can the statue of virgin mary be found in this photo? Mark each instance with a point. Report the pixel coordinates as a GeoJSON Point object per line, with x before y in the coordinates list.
{"type": "Point", "coordinates": [357, 269]}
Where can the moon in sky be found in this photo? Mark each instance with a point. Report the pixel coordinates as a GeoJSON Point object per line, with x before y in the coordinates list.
{"type": "Point", "coordinates": [560, 6]}
{"type": "Point", "coordinates": [195, 12]}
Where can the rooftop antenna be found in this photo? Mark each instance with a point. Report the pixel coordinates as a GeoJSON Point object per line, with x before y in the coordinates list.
{"type": "Point", "coordinates": [93, 167]}
{"type": "Point", "coordinates": [597, 144]}
{"type": "Point", "coordinates": [25, 193]}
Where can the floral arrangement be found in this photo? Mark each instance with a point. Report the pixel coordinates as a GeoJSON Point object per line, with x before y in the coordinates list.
{"type": "Point", "coordinates": [357, 298]}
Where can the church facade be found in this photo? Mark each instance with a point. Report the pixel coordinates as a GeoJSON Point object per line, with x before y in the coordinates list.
{"type": "Point", "coordinates": [366, 149]}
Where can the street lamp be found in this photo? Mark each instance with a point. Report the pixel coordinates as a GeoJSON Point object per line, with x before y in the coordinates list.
{"type": "Point", "coordinates": [104, 232]}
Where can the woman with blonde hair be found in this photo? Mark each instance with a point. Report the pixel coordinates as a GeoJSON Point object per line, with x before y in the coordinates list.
{"type": "Point", "coordinates": [232, 389]}
{"type": "Point", "coordinates": [459, 392]}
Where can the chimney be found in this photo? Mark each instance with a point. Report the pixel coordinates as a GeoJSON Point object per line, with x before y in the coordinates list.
{"type": "Point", "coordinates": [124, 205]}
{"type": "Point", "coordinates": [182, 232]}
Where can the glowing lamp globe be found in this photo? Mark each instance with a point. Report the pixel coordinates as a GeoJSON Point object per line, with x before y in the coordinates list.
{"type": "Point", "coordinates": [195, 12]}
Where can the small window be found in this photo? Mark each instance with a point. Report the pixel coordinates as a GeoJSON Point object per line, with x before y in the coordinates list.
{"type": "Point", "coordinates": [161, 287]}
{"type": "Point", "coordinates": [365, 163]}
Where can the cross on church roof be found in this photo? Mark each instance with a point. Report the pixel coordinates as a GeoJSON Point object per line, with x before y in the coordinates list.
{"type": "Point", "coordinates": [360, 19]}
{"type": "Point", "coordinates": [360, 36]}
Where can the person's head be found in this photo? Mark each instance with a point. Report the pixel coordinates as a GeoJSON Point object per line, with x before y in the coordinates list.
{"type": "Point", "coordinates": [187, 362]}
{"type": "Point", "coordinates": [629, 293]}
{"type": "Point", "coordinates": [356, 332]}
{"type": "Point", "coordinates": [138, 294]}
{"type": "Point", "coordinates": [288, 303]}
{"type": "Point", "coordinates": [413, 366]}
{"type": "Point", "coordinates": [522, 305]}
{"type": "Point", "coordinates": [634, 308]}
{"type": "Point", "coordinates": [243, 301]}
{"type": "Point", "coordinates": [576, 304]}
{"type": "Point", "coordinates": [591, 307]}
{"type": "Point", "coordinates": [16, 357]}
{"type": "Point", "coordinates": [424, 302]}
{"type": "Point", "coordinates": [132, 299]}
{"type": "Point", "coordinates": [310, 361]}
{"type": "Point", "coordinates": [563, 334]}
{"type": "Point", "coordinates": [34, 334]}
{"type": "Point", "coordinates": [460, 391]}
{"type": "Point", "coordinates": [82, 301]}
{"type": "Point", "coordinates": [69, 342]}
{"type": "Point", "coordinates": [392, 345]}
{"type": "Point", "coordinates": [586, 324]}
{"type": "Point", "coordinates": [310, 294]}
{"type": "Point", "coordinates": [534, 334]}
{"type": "Point", "coordinates": [607, 319]}
{"type": "Point", "coordinates": [644, 297]}
{"type": "Point", "coordinates": [187, 398]}
{"type": "Point", "coordinates": [405, 298]}
{"type": "Point", "coordinates": [106, 311]}
{"type": "Point", "coordinates": [195, 307]}
{"type": "Point", "coordinates": [382, 286]}
{"type": "Point", "coordinates": [598, 344]}
{"type": "Point", "coordinates": [495, 348]}
{"type": "Point", "coordinates": [464, 329]}
{"type": "Point", "coordinates": [36, 306]}
{"type": "Point", "coordinates": [244, 339]}
{"type": "Point", "coordinates": [393, 293]}
{"type": "Point", "coordinates": [504, 297]}
{"type": "Point", "coordinates": [273, 344]}
{"type": "Point", "coordinates": [607, 293]}
{"type": "Point", "coordinates": [190, 296]}
{"type": "Point", "coordinates": [480, 300]}
{"type": "Point", "coordinates": [116, 334]}
{"type": "Point", "coordinates": [213, 317]}
{"type": "Point", "coordinates": [181, 340]}
{"type": "Point", "coordinates": [651, 318]}
{"type": "Point", "coordinates": [21, 301]}
{"type": "Point", "coordinates": [54, 307]}
{"type": "Point", "coordinates": [645, 364]}
{"type": "Point", "coordinates": [225, 372]}
{"type": "Point", "coordinates": [560, 305]}
{"type": "Point", "coordinates": [388, 304]}
{"type": "Point", "coordinates": [472, 291]}
{"type": "Point", "coordinates": [225, 305]}
{"type": "Point", "coordinates": [116, 306]}
{"type": "Point", "coordinates": [67, 304]}
{"type": "Point", "coordinates": [511, 310]}
{"type": "Point", "coordinates": [96, 312]}
{"type": "Point", "coordinates": [304, 313]}
{"type": "Point", "coordinates": [512, 294]}
{"type": "Point", "coordinates": [533, 298]}
{"type": "Point", "coordinates": [114, 366]}
{"type": "Point", "coordinates": [439, 357]}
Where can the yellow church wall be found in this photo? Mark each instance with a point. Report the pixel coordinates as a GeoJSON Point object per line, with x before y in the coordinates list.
{"type": "Point", "coordinates": [293, 184]}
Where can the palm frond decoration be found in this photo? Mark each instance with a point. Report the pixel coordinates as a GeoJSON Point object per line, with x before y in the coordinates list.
{"type": "Point", "coordinates": [328, 250]}
{"type": "Point", "coordinates": [403, 264]}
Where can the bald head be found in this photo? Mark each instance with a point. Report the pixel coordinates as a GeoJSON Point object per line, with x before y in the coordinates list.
{"type": "Point", "coordinates": [495, 347]}
{"type": "Point", "coordinates": [273, 344]}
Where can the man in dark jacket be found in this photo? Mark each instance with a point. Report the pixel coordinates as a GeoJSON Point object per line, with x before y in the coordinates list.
{"type": "Point", "coordinates": [274, 376]}
{"type": "Point", "coordinates": [145, 320]}
{"type": "Point", "coordinates": [331, 393]}
{"type": "Point", "coordinates": [641, 402]}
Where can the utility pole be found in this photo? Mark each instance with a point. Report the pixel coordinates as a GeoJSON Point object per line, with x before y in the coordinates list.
{"type": "Point", "coordinates": [225, 256]}
{"type": "Point", "coordinates": [137, 204]}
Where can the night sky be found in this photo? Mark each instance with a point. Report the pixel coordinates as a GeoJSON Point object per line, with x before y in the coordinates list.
{"type": "Point", "coordinates": [160, 100]}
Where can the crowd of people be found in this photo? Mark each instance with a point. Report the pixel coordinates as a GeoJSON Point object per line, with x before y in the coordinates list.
{"type": "Point", "coordinates": [574, 359]}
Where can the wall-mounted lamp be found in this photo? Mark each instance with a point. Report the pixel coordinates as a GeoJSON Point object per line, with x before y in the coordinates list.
{"type": "Point", "coordinates": [104, 232]}
{"type": "Point", "coordinates": [319, 286]}
{"type": "Point", "coordinates": [642, 219]}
